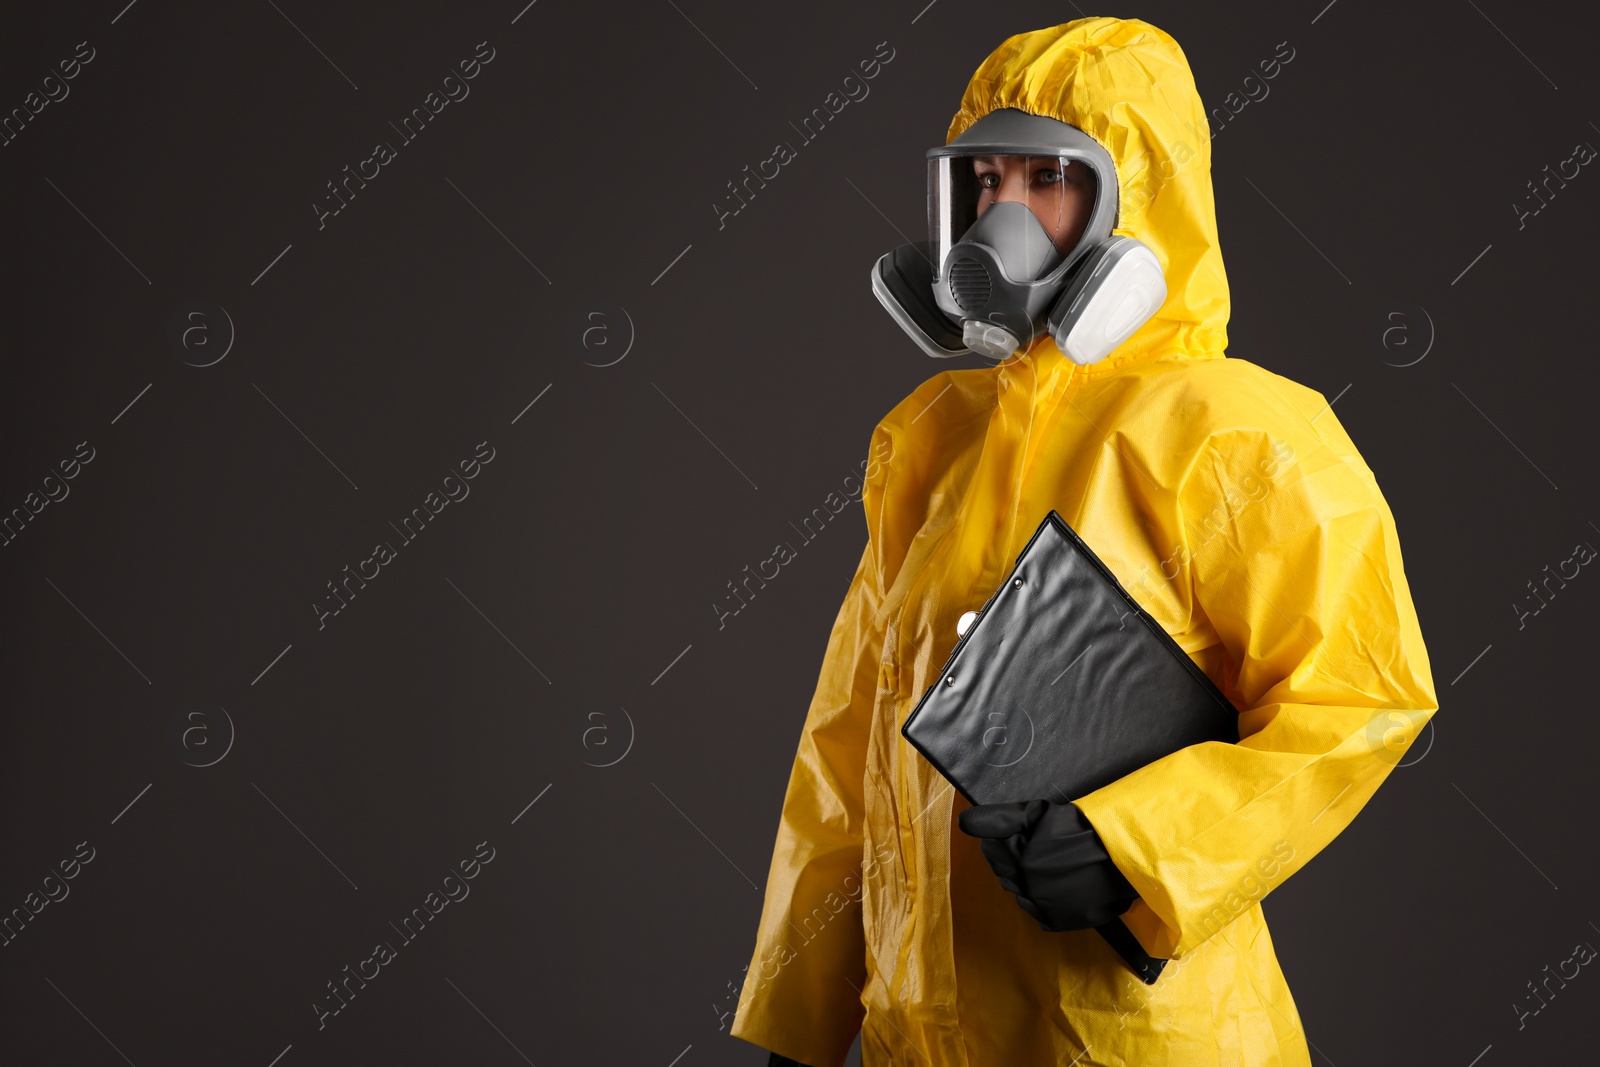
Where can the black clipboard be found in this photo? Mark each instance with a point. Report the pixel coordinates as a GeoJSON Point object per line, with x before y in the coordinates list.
{"type": "Point", "coordinates": [1064, 684]}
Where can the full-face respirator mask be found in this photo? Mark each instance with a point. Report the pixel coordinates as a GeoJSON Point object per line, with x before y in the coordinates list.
{"type": "Point", "coordinates": [999, 268]}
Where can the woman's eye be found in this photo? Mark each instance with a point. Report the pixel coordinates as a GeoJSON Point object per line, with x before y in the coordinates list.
{"type": "Point", "coordinates": [989, 180]}
{"type": "Point", "coordinates": [1048, 177]}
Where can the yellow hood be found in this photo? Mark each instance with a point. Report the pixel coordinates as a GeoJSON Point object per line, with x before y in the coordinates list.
{"type": "Point", "coordinates": [1158, 136]}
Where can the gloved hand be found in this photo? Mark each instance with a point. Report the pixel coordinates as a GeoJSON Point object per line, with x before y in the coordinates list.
{"type": "Point", "coordinates": [775, 1060]}
{"type": "Point", "coordinates": [1050, 857]}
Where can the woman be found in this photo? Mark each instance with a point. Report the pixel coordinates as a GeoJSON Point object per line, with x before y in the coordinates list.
{"type": "Point", "coordinates": [1229, 502]}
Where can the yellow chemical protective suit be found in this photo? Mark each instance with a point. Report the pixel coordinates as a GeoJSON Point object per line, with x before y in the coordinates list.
{"type": "Point", "coordinates": [1232, 505]}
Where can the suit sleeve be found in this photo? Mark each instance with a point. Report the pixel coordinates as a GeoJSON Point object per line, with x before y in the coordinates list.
{"type": "Point", "coordinates": [1292, 556]}
{"type": "Point", "coordinates": [800, 996]}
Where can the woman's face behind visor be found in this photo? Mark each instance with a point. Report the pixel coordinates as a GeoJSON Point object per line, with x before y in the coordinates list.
{"type": "Point", "coordinates": [1060, 198]}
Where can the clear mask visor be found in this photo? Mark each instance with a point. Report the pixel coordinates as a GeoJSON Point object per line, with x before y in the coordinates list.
{"type": "Point", "coordinates": [1059, 190]}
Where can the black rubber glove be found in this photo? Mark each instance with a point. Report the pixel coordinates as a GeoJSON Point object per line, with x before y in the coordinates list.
{"type": "Point", "coordinates": [1051, 858]}
{"type": "Point", "coordinates": [776, 1060]}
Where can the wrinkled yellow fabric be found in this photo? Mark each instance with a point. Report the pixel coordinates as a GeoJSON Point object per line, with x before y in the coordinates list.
{"type": "Point", "coordinates": [1231, 503]}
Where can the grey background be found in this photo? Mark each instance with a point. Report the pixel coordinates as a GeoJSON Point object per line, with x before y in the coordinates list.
{"type": "Point", "coordinates": [572, 590]}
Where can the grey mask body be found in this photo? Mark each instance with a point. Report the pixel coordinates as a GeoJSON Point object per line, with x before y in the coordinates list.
{"type": "Point", "coordinates": [999, 280]}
